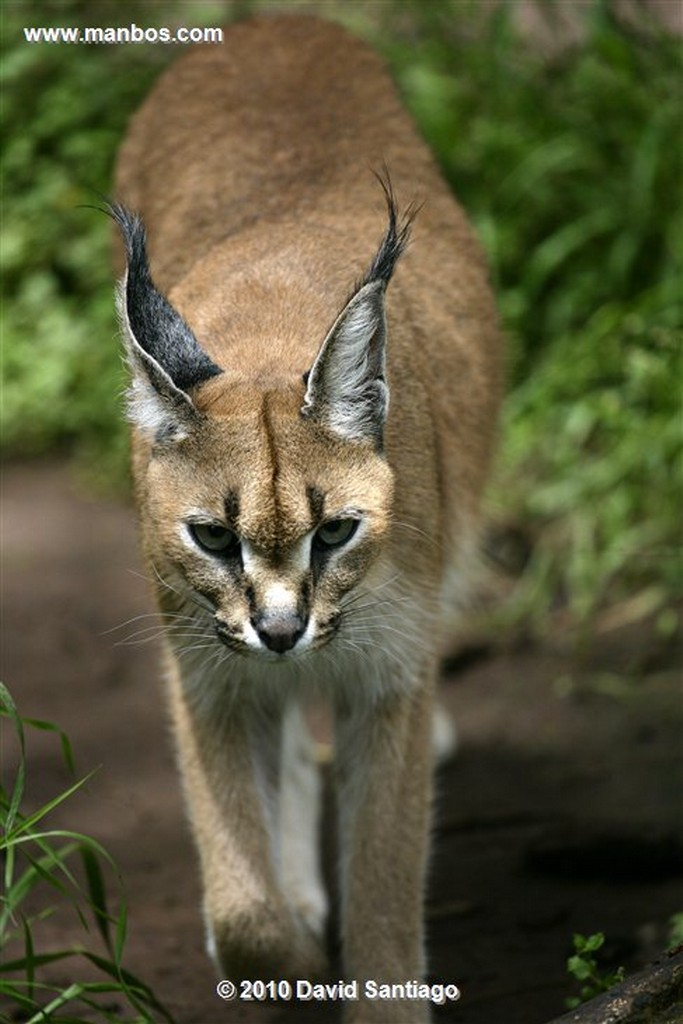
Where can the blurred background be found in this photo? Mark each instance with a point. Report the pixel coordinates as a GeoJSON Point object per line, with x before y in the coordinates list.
{"type": "Point", "coordinates": [558, 125]}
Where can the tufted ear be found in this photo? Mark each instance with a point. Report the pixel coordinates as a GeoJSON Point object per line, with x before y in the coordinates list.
{"type": "Point", "coordinates": [346, 386]}
{"type": "Point", "coordinates": [166, 360]}
{"type": "Point", "coordinates": [347, 390]}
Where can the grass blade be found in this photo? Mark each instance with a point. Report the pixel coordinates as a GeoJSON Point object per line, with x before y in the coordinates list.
{"type": "Point", "coordinates": [97, 894]}
{"type": "Point", "coordinates": [8, 709]}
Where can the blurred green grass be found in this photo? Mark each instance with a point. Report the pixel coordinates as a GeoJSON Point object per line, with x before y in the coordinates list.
{"type": "Point", "coordinates": [570, 166]}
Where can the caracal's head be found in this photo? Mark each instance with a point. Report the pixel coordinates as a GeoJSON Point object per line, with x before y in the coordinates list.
{"type": "Point", "coordinates": [264, 507]}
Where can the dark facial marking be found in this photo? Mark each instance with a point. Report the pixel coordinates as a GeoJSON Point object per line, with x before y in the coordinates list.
{"type": "Point", "coordinates": [319, 558]}
{"type": "Point", "coordinates": [232, 509]}
{"type": "Point", "coordinates": [271, 442]}
{"type": "Point", "coordinates": [316, 503]}
{"type": "Point", "coordinates": [304, 602]}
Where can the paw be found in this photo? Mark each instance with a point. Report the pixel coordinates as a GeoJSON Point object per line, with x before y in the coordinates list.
{"type": "Point", "coordinates": [259, 948]}
{"type": "Point", "coordinates": [309, 905]}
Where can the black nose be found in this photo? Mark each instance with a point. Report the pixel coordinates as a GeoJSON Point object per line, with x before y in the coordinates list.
{"type": "Point", "coordinates": [279, 632]}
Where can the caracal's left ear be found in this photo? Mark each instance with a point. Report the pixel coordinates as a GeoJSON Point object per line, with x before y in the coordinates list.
{"type": "Point", "coordinates": [166, 360]}
{"type": "Point", "coordinates": [346, 387]}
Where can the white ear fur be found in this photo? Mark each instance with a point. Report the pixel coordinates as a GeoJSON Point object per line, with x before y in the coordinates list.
{"type": "Point", "coordinates": [346, 388]}
{"type": "Point", "coordinates": [151, 413]}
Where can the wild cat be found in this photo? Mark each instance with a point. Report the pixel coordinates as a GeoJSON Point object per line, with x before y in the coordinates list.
{"type": "Point", "coordinates": [314, 404]}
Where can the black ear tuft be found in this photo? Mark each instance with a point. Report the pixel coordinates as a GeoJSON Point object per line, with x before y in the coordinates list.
{"type": "Point", "coordinates": [157, 327]}
{"type": "Point", "coordinates": [346, 388]}
{"type": "Point", "coordinates": [396, 237]}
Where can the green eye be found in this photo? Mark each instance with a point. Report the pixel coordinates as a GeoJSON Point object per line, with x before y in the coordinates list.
{"type": "Point", "coordinates": [215, 538]}
{"type": "Point", "coordinates": [336, 532]}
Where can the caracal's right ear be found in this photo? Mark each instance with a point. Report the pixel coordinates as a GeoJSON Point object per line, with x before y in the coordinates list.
{"type": "Point", "coordinates": [346, 388]}
{"type": "Point", "coordinates": [165, 358]}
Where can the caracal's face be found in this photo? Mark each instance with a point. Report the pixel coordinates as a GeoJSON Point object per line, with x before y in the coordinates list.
{"type": "Point", "coordinates": [265, 521]}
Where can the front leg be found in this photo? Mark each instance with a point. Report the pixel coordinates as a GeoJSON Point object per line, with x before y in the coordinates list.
{"type": "Point", "coordinates": [301, 795]}
{"type": "Point", "coordinates": [385, 766]}
{"type": "Point", "coordinates": [230, 767]}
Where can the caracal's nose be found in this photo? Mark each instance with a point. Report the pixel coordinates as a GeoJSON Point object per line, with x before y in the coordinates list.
{"type": "Point", "coordinates": [279, 632]}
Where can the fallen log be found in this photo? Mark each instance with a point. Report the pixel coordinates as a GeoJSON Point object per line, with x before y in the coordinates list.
{"type": "Point", "coordinates": [652, 996]}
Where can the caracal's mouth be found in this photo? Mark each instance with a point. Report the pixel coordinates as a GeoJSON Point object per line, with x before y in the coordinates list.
{"type": "Point", "coordinates": [278, 648]}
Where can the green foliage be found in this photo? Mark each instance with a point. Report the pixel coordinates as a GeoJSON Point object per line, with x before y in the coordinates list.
{"type": "Point", "coordinates": [676, 930]}
{"type": "Point", "coordinates": [571, 168]}
{"type": "Point", "coordinates": [38, 860]}
{"type": "Point", "coordinates": [569, 163]}
{"type": "Point", "coordinates": [606, 496]}
{"type": "Point", "coordinates": [584, 967]}
{"type": "Point", "coordinates": [65, 109]}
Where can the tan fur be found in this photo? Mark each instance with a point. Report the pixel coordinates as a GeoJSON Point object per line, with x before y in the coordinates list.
{"type": "Point", "coordinates": [250, 165]}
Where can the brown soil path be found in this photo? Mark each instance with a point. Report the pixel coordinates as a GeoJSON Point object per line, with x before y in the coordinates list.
{"type": "Point", "coordinates": [560, 813]}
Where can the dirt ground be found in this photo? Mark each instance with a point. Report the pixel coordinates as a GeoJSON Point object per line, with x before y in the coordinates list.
{"type": "Point", "coordinates": [560, 813]}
